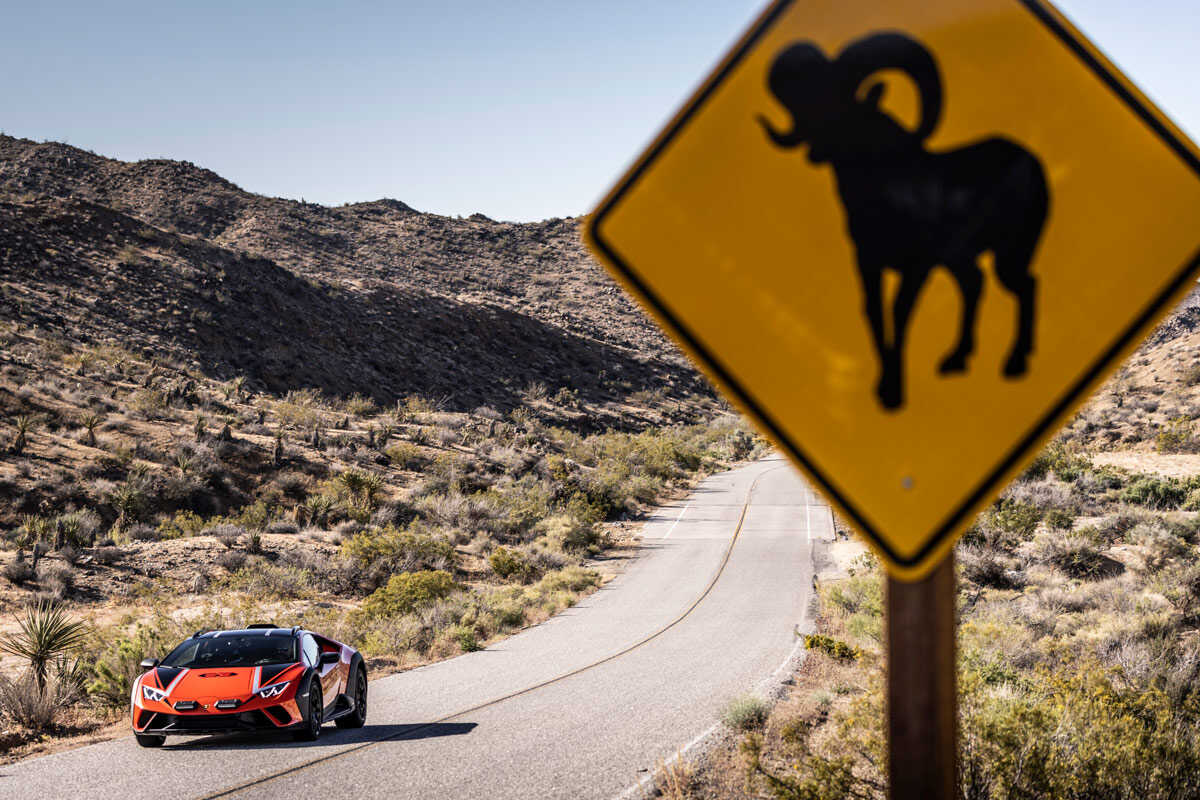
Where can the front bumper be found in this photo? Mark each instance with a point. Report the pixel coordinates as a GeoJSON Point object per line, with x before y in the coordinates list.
{"type": "Point", "coordinates": [271, 718]}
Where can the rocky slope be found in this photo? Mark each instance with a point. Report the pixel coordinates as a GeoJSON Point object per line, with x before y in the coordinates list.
{"type": "Point", "coordinates": [374, 298]}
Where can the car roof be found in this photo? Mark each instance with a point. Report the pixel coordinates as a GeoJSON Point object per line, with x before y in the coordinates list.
{"type": "Point", "coordinates": [248, 632]}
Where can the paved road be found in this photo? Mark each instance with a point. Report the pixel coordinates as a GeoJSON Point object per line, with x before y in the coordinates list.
{"type": "Point", "coordinates": [577, 707]}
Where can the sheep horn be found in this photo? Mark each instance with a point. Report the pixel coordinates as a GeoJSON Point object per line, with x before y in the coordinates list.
{"type": "Point", "coordinates": [881, 51]}
{"type": "Point", "coordinates": [792, 138]}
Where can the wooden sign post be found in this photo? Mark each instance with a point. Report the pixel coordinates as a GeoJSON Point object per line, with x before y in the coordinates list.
{"type": "Point", "coordinates": [922, 704]}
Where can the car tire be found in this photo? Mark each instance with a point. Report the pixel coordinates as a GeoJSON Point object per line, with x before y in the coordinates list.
{"type": "Point", "coordinates": [358, 691]}
{"type": "Point", "coordinates": [310, 730]}
{"type": "Point", "coordinates": [149, 739]}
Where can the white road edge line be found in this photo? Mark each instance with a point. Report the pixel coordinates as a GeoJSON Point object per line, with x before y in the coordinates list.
{"type": "Point", "coordinates": [671, 530]}
{"type": "Point", "coordinates": [639, 789]}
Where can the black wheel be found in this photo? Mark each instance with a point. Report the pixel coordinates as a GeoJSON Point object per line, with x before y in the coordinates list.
{"type": "Point", "coordinates": [311, 731]}
{"type": "Point", "coordinates": [358, 717]}
{"type": "Point", "coordinates": [149, 739]}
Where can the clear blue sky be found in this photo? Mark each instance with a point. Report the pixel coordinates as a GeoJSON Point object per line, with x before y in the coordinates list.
{"type": "Point", "coordinates": [519, 109]}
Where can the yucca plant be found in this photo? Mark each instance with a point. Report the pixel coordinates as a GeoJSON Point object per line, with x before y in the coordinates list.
{"type": "Point", "coordinates": [317, 509]}
{"type": "Point", "coordinates": [24, 425]}
{"type": "Point", "coordinates": [362, 488]}
{"type": "Point", "coordinates": [44, 635]}
{"type": "Point", "coordinates": [90, 421]}
{"type": "Point", "coordinates": [233, 389]}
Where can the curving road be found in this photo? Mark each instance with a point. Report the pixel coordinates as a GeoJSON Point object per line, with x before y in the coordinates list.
{"type": "Point", "coordinates": [578, 707]}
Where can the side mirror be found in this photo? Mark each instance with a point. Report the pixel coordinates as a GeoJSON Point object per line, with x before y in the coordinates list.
{"type": "Point", "coordinates": [331, 658]}
{"type": "Point", "coordinates": [149, 663]}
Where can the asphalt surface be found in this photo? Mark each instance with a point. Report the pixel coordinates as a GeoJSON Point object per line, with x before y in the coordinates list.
{"type": "Point", "coordinates": [581, 706]}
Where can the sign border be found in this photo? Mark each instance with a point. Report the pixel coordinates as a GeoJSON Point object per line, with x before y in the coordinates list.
{"type": "Point", "coordinates": [919, 563]}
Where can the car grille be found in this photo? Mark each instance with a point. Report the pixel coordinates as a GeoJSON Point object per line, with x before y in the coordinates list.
{"type": "Point", "coordinates": [199, 723]}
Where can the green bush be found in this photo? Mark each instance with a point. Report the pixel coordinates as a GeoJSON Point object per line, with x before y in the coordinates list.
{"type": "Point", "coordinates": [745, 713]}
{"type": "Point", "coordinates": [408, 591]}
{"type": "Point", "coordinates": [466, 638]}
{"type": "Point", "coordinates": [388, 550]}
{"type": "Point", "coordinates": [508, 563]}
{"type": "Point", "coordinates": [1077, 734]}
{"type": "Point", "coordinates": [117, 661]}
{"type": "Point", "coordinates": [1061, 519]}
{"type": "Point", "coordinates": [1154, 492]}
{"type": "Point", "coordinates": [1175, 436]}
{"type": "Point", "coordinates": [834, 648]}
{"type": "Point", "coordinates": [1009, 521]}
{"type": "Point", "coordinates": [404, 455]}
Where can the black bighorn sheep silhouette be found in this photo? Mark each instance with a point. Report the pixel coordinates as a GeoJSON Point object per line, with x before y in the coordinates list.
{"type": "Point", "coordinates": [909, 209]}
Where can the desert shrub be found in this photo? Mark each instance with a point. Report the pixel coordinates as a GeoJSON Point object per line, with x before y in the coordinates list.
{"type": "Point", "coordinates": [143, 533]}
{"type": "Point", "coordinates": [107, 555]}
{"type": "Point", "coordinates": [404, 455]}
{"type": "Point", "coordinates": [1117, 526]}
{"type": "Point", "coordinates": [466, 638]}
{"type": "Point", "coordinates": [225, 533]}
{"type": "Point", "coordinates": [569, 533]}
{"type": "Point", "coordinates": [834, 648]}
{"type": "Point", "coordinates": [385, 551]}
{"type": "Point", "coordinates": [253, 517]}
{"type": "Point", "coordinates": [1075, 554]}
{"type": "Point", "coordinates": [987, 567]}
{"type": "Point", "coordinates": [18, 573]}
{"type": "Point", "coordinates": [57, 579]}
{"type": "Point", "coordinates": [745, 713]}
{"type": "Point", "coordinates": [1009, 521]}
{"type": "Point", "coordinates": [1078, 733]}
{"type": "Point", "coordinates": [37, 707]}
{"type": "Point", "coordinates": [1192, 502]}
{"type": "Point", "coordinates": [117, 658]}
{"type": "Point", "coordinates": [508, 563]}
{"type": "Point", "coordinates": [231, 560]}
{"type": "Point", "coordinates": [1159, 543]}
{"type": "Point", "coordinates": [1154, 492]}
{"type": "Point", "coordinates": [1060, 519]}
{"type": "Point", "coordinates": [408, 591]}
{"type": "Point", "coordinates": [282, 526]}
{"type": "Point", "coordinates": [1175, 436]}
{"type": "Point", "coordinates": [1055, 458]}
{"type": "Point", "coordinates": [262, 579]}
{"type": "Point", "coordinates": [857, 594]}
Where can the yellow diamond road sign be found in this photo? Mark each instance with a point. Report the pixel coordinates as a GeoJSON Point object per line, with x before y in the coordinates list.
{"type": "Point", "coordinates": [908, 237]}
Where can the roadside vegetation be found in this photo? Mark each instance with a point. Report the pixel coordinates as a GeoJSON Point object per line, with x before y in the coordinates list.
{"type": "Point", "coordinates": [1079, 651]}
{"type": "Point", "coordinates": [156, 502]}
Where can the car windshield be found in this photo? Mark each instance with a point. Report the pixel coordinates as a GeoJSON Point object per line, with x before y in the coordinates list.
{"type": "Point", "coordinates": [234, 650]}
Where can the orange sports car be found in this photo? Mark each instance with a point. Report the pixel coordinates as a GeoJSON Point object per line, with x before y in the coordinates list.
{"type": "Point", "coordinates": [263, 678]}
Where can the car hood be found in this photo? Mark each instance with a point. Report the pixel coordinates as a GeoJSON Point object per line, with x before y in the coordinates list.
{"type": "Point", "coordinates": [215, 683]}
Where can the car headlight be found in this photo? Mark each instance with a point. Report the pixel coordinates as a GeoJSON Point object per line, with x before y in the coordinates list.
{"type": "Point", "coordinates": [150, 693]}
{"type": "Point", "coordinates": [274, 690]}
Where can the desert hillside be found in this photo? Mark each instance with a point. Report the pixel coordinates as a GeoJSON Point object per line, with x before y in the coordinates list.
{"type": "Point", "coordinates": [373, 298]}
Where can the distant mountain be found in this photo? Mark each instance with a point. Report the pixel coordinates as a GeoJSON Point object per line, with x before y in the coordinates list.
{"type": "Point", "coordinates": [375, 298]}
